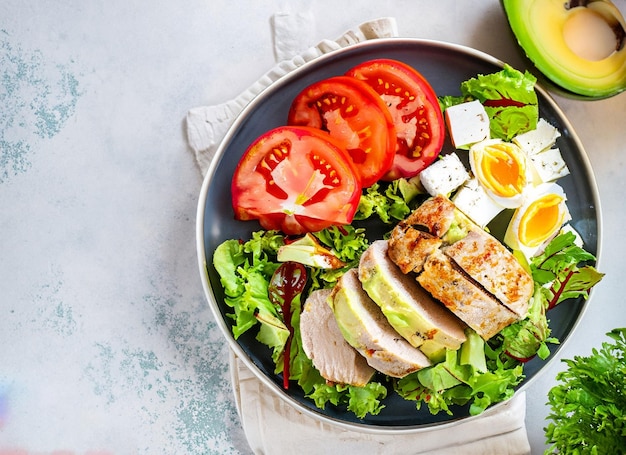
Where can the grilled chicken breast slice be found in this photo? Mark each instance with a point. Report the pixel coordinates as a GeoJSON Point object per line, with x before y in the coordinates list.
{"type": "Point", "coordinates": [478, 309]}
{"type": "Point", "coordinates": [436, 215]}
{"type": "Point", "coordinates": [325, 345]}
{"type": "Point", "coordinates": [409, 248]}
{"type": "Point", "coordinates": [491, 265]}
{"type": "Point", "coordinates": [366, 328]}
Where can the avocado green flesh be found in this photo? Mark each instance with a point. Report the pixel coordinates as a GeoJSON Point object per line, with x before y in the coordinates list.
{"type": "Point", "coordinates": [458, 229]}
{"type": "Point", "coordinates": [435, 352]}
{"type": "Point", "coordinates": [473, 351]}
{"type": "Point", "coordinates": [403, 316]}
{"type": "Point", "coordinates": [348, 317]}
{"type": "Point", "coordinates": [538, 26]}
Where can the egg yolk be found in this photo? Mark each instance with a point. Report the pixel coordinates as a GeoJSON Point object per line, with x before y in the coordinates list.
{"type": "Point", "coordinates": [542, 218]}
{"type": "Point", "coordinates": [503, 169]}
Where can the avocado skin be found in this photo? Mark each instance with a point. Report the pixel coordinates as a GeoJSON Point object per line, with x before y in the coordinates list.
{"type": "Point", "coordinates": [537, 30]}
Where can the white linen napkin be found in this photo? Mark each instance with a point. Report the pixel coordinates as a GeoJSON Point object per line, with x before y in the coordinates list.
{"type": "Point", "coordinates": [272, 426]}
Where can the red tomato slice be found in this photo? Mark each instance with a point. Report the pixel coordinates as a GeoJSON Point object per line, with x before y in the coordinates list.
{"type": "Point", "coordinates": [413, 104]}
{"type": "Point", "coordinates": [354, 115]}
{"type": "Point", "coordinates": [297, 180]}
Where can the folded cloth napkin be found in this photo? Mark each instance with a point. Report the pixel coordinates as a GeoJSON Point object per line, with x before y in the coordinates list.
{"type": "Point", "coordinates": [271, 424]}
{"type": "Point", "coordinates": [273, 427]}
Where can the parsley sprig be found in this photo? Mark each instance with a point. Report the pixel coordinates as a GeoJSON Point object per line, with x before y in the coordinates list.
{"type": "Point", "coordinates": [588, 405]}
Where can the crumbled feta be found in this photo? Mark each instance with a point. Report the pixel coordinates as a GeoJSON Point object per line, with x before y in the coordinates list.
{"type": "Point", "coordinates": [549, 165]}
{"type": "Point", "coordinates": [444, 176]}
{"type": "Point", "coordinates": [473, 201]}
{"type": "Point", "coordinates": [468, 123]}
{"type": "Point", "coordinates": [539, 139]}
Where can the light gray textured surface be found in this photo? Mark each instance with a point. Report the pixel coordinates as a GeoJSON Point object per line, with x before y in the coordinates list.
{"type": "Point", "coordinates": [107, 343]}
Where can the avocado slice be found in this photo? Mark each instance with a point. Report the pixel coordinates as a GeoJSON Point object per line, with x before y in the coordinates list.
{"type": "Point", "coordinates": [578, 44]}
{"type": "Point", "coordinates": [410, 310]}
{"type": "Point", "coordinates": [366, 329]}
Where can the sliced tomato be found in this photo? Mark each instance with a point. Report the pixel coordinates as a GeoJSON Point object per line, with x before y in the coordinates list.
{"type": "Point", "coordinates": [418, 120]}
{"type": "Point", "coordinates": [297, 180]}
{"type": "Point", "coordinates": [353, 113]}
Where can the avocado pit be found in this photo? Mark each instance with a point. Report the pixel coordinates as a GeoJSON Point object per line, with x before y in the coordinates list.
{"type": "Point", "coordinates": [589, 33]}
{"type": "Point", "coordinates": [580, 45]}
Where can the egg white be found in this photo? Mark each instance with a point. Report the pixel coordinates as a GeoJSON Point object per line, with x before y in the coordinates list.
{"type": "Point", "coordinates": [482, 151]}
{"type": "Point", "coordinates": [512, 235]}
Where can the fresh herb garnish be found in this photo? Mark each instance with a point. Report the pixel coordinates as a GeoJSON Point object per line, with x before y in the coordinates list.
{"type": "Point", "coordinates": [588, 405]}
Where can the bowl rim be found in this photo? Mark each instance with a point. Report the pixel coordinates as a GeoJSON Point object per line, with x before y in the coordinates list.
{"type": "Point", "coordinates": [234, 346]}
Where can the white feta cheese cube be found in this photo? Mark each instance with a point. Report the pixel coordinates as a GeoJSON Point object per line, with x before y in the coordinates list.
{"type": "Point", "coordinates": [444, 176]}
{"type": "Point", "coordinates": [549, 165]}
{"type": "Point", "coordinates": [468, 123]}
{"type": "Point", "coordinates": [473, 201]}
{"type": "Point", "coordinates": [541, 138]}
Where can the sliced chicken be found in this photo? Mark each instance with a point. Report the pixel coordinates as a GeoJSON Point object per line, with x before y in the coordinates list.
{"type": "Point", "coordinates": [490, 264]}
{"type": "Point", "coordinates": [410, 310]}
{"type": "Point", "coordinates": [436, 215]}
{"type": "Point", "coordinates": [367, 329]}
{"type": "Point", "coordinates": [469, 271]}
{"type": "Point", "coordinates": [478, 309]}
{"type": "Point", "coordinates": [324, 344]}
{"type": "Point", "coordinates": [409, 248]}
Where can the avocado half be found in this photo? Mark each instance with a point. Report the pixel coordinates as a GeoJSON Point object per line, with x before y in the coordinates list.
{"type": "Point", "coordinates": [578, 44]}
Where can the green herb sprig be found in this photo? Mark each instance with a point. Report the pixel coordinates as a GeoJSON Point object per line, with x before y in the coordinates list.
{"type": "Point", "coordinates": [588, 405]}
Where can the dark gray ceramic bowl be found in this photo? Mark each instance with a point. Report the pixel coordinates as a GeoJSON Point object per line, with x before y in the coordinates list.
{"type": "Point", "coordinates": [445, 66]}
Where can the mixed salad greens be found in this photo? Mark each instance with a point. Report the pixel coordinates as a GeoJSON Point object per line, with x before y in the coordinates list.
{"type": "Point", "coordinates": [479, 374]}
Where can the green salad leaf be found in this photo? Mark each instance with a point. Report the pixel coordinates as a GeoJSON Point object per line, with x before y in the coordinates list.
{"type": "Point", "coordinates": [507, 84]}
{"type": "Point", "coordinates": [588, 404]}
{"type": "Point", "coordinates": [530, 336]}
{"type": "Point", "coordinates": [479, 377]}
{"type": "Point", "coordinates": [560, 273]}
{"type": "Point", "coordinates": [245, 269]}
{"type": "Point", "coordinates": [509, 121]}
{"type": "Point", "coordinates": [348, 243]}
{"type": "Point", "coordinates": [509, 98]}
{"type": "Point", "coordinates": [359, 400]}
{"type": "Point", "coordinates": [391, 202]}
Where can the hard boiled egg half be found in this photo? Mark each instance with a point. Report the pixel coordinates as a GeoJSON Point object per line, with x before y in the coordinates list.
{"type": "Point", "coordinates": [540, 216]}
{"type": "Point", "coordinates": [503, 170]}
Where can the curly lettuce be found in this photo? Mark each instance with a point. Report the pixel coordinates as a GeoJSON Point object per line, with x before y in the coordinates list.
{"type": "Point", "coordinates": [245, 269]}
{"type": "Point", "coordinates": [390, 202]}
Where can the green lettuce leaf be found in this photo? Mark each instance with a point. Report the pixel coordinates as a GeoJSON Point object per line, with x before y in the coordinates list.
{"type": "Point", "coordinates": [462, 379]}
{"type": "Point", "coordinates": [359, 400]}
{"type": "Point", "coordinates": [507, 122]}
{"type": "Point", "coordinates": [507, 84]}
{"type": "Point", "coordinates": [348, 243]}
{"type": "Point", "coordinates": [509, 99]}
{"type": "Point", "coordinates": [562, 270]}
{"type": "Point", "coordinates": [390, 202]}
{"type": "Point", "coordinates": [529, 337]}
